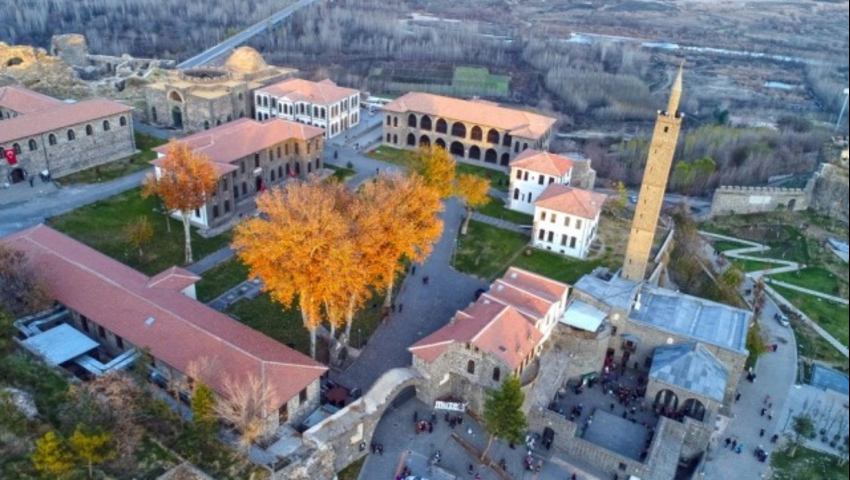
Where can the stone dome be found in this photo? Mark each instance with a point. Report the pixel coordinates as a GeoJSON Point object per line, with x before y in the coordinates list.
{"type": "Point", "coordinates": [245, 60]}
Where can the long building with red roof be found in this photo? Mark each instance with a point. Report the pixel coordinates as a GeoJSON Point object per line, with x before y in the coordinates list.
{"type": "Point", "coordinates": [123, 309]}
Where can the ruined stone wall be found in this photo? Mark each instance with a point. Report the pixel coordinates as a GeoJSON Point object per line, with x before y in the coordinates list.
{"type": "Point", "coordinates": [586, 349]}
{"type": "Point", "coordinates": [749, 200]}
{"type": "Point", "coordinates": [71, 48]}
{"type": "Point", "coordinates": [584, 176]}
{"type": "Point", "coordinates": [830, 192]}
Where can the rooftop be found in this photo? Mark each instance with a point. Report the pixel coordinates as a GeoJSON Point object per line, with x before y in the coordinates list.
{"type": "Point", "coordinates": [59, 117]}
{"type": "Point", "coordinates": [582, 316]}
{"type": "Point", "coordinates": [492, 327]}
{"type": "Point", "coordinates": [617, 435]}
{"type": "Point", "coordinates": [236, 140]}
{"type": "Point", "coordinates": [543, 162]}
{"type": "Point", "coordinates": [530, 294]}
{"type": "Point", "coordinates": [325, 92]}
{"type": "Point", "coordinates": [245, 60]}
{"type": "Point", "coordinates": [691, 367]}
{"type": "Point", "coordinates": [516, 122]}
{"type": "Point", "coordinates": [175, 328]}
{"type": "Point", "coordinates": [572, 201]}
{"type": "Point", "coordinates": [617, 293]}
{"type": "Point", "coordinates": [693, 318]}
{"type": "Point", "coordinates": [26, 102]}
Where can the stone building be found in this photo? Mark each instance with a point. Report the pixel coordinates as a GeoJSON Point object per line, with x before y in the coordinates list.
{"type": "Point", "coordinates": [320, 104]}
{"type": "Point", "coordinates": [199, 99]}
{"type": "Point", "coordinates": [251, 157]}
{"type": "Point", "coordinates": [125, 312]}
{"type": "Point", "coordinates": [41, 134]}
{"type": "Point", "coordinates": [566, 220]}
{"type": "Point", "coordinates": [749, 200]}
{"type": "Point", "coordinates": [531, 173]}
{"type": "Point", "coordinates": [477, 132]}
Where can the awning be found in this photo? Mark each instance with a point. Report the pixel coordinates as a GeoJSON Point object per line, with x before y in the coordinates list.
{"type": "Point", "coordinates": [582, 316]}
{"type": "Point", "coordinates": [631, 338]}
{"type": "Point", "coordinates": [60, 344]}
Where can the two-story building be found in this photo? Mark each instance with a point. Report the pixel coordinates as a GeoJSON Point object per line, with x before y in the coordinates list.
{"type": "Point", "coordinates": [476, 131]}
{"type": "Point", "coordinates": [542, 301]}
{"type": "Point", "coordinates": [251, 157]}
{"type": "Point", "coordinates": [126, 312]}
{"type": "Point", "coordinates": [531, 172]}
{"type": "Point", "coordinates": [320, 104]}
{"type": "Point", "coordinates": [566, 220]}
{"type": "Point", "coordinates": [40, 134]}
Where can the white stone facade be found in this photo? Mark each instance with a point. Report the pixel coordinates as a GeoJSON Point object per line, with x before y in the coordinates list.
{"type": "Point", "coordinates": [335, 118]}
{"type": "Point", "coordinates": [527, 185]}
{"type": "Point", "coordinates": [568, 235]}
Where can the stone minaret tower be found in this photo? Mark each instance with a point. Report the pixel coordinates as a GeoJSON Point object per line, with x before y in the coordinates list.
{"type": "Point", "coordinates": [655, 178]}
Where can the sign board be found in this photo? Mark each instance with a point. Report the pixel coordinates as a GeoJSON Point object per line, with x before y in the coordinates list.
{"type": "Point", "coordinates": [450, 406]}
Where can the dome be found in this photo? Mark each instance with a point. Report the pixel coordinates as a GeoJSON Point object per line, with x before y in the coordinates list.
{"type": "Point", "coordinates": [245, 60]}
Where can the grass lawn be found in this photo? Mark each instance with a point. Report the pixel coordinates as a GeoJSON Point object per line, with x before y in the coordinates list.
{"type": "Point", "coordinates": [120, 168]}
{"type": "Point", "coordinates": [102, 225]}
{"type": "Point", "coordinates": [812, 346]}
{"type": "Point", "coordinates": [753, 265]}
{"type": "Point", "coordinates": [725, 246]}
{"type": "Point", "coordinates": [221, 279]}
{"type": "Point", "coordinates": [818, 279]}
{"type": "Point", "coordinates": [497, 209]}
{"type": "Point", "coordinates": [556, 267]}
{"type": "Point", "coordinates": [807, 464]}
{"type": "Point", "coordinates": [352, 472]}
{"type": "Point", "coordinates": [340, 173]}
{"type": "Point", "coordinates": [391, 155]}
{"type": "Point", "coordinates": [498, 180]}
{"type": "Point", "coordinates": [485, 251]}
{"type": "Point", "coordinates": [481, 78]}
{"type": "Point", "coordinates": [830, 316]}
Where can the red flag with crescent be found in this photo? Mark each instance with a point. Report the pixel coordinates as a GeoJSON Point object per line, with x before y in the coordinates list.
{"type": "Point", "coordinates": [11, 158]}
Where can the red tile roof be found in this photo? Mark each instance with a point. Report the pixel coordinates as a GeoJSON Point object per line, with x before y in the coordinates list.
{"type": "Point", "coordinates": [175, 278]}
{"type": "Point", "coordinates": [59, 118]}
{"type": "Point", "coordinates": [26, 102]}
{"type": "Point", "coordinates": [244, 137]}
{"type": "Point", "coordinates": [325, 92]}
{"type": "Point", "coordinates": [543, 162]}
{"type": "Point", "coordinates": [176, 329]}
{"type": "Point", "coordinates": [572, 201]}
{"type": "Point", "coordinates": [491, 327]}
{"type": "Point", "coordinates": [517, 122]}
{"type": "Point", "coordinates": [531, 295]}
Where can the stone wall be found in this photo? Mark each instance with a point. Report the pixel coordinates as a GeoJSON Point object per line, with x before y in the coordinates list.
{"type": "Point", "coordinates": [83, 152]}
{"type": "Point", "coordinates": [586, 349]}
{"type": "Point", "coordinates": [584, 176]}
{"type": "Point", "coordinates": [830, 193]}
{"type": "Point", "coordinates": [71, 48]}
{"type": "Point", "coordinates": [749, 200]}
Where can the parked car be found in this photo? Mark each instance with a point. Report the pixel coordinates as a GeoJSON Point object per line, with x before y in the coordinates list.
{"type": "Point", "coordinates": [633, 199]}
{"type": "Point", "coordinates": [782, 319]}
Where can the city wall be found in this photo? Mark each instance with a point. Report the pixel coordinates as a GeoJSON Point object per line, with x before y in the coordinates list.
{"type": "Point", "coordinates": [749, 200]}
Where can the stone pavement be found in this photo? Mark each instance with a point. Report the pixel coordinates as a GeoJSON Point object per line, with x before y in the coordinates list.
{"type": "Point", "coordinates": [426, 309]}
{"type": "Point", "coordinates": [499, 223]}
{"type": "Point", "coordinates": [23, 192]}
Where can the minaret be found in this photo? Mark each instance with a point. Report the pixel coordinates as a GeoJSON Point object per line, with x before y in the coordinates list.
{"type": "Point", "coordinates": [657, 173]}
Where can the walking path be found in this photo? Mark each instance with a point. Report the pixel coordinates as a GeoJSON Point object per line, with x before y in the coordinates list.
{"type": "Point", "coordinates": [211, 261]}
{"type": "Point", "coordinates": [788, 267]}
{"type": "Point", "coordinates": [813, 293]}
{"type": "Point", "coordinates": [499, 223]}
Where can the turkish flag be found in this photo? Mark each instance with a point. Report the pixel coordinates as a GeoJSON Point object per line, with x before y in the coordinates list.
{"type": "Point", "coordinates": [11, 157]}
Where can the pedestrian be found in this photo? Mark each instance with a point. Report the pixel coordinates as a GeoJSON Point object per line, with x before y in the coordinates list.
{"type": "Point", "coordinates": [415, 417]}
{"type": "Point", "coordinates": [737, 397]}
{"type": "Point", "coordinates": [728, 442]}
{"type": "Point", "coordinates": [774, 439]}
{"type": "Point", "coordinates": [767, 400]}
{"type": "Point", "coordinates": [427, 280]}
{"type": "Point", "coordinates": [763, 412]}
{"type": "Point", "coordinates": [400, 307]}
{"type": "Point", "coordinates": [734, 444]}
{"type": "Point", "coordinates": [32, 181]}
{"type": "Point", "coordinates": [413, 270]}
{"type": "Point", "coordinates": [770, 416]}
{"type": "Point", "coordinates": [373, 447]}
{"type": "Point", "coordinates": [761, 433]}
{"type": "Point", "coordinates": [381, 449]}
{"type": "Point", "coordinates": [612, 406]}
{"type": "Point", "coordinates": [471, 469]}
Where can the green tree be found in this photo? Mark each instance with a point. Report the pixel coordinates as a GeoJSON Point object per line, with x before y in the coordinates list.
{"type": "Point", "coordinates": [7, 331]}
{"type": "Point", "coordinates": [92, 447]}
{"type": "Point", "coordinates": [503, 416]}
{"type": "Point", "coordinates": [203, 411]}
{"type": "Point", "coordinates": [755, 343]}
{"type": "Point", "coordinates": [621, 201]}
{"type": "Point", "coordinates": [804, 429]}
{"type": "Point", "coordinates": [52, 456]}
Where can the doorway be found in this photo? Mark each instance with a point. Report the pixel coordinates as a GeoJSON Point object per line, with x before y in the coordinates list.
{"type": "Point", "coordinates": [177, 117]}
{"type": "Point", "coordinates": [17, 175]}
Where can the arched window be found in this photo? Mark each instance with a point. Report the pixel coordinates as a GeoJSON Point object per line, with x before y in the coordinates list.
{"type": "Point", "coordinates": [230, 118]}
{"type": "Point", "coordinates": [459, 130]}
{"type": "Point", "coordinates": [89, 130]}
{"type": "Point", "coordinates": [516, 194]}
{"type": "Point", "coordinates": [440, 143]}
{"type": "Point", "coordinates": [493, 137]}
{"type": "Point", "coordinates": [122, 121]}
{"type": "Point", "coordinates": [491, 156]}
{"type": "Point", "coordinates": [474, 153]}
{"type": "Point", "coordinates": [17, 148]}
{"type": "Point", "coordinates": [411, 121]}
{"type": "Point", "coordinates": [457, 149]}
{"type": "Point", "coordinates": [206, 125]}
{"type": "Point", "coordinates": [476, 134]}
{"type": "Point", "coordinates": [389, 121]}
{"type": "Point", "coordinates": [318, 164]}
{"type": "Point", "coordinates": [424, 141]}
{"type": "Point", "coordinates": [411, 140]}
{"type": "Point", "coordinates": [470, 367]}
{"type": "Point", "coordinates": [71, 135]}
{"type": "Point", "coordinates": [32, 145]}
{"type": "Point", "coordinates": [106, 126]}
{"type": "Point", "coordinates": [442, 126]}
{"type": "Point", "coordinates": [507, 140]}
{"type": "Point", "coordinates": [395, 139]}
{"type": "Point", "coordinates": [506, 159]}
{"type": "Point", "coordinates": [395, 122]}
{"type": "Point", "coordinates": [273, 175]}
{"type": "Point", "coordinates": [51, 139]}
{"type": "Point", "coordinates": [425, 123]}
{"type": "Point", "coordinates": [497, 374]}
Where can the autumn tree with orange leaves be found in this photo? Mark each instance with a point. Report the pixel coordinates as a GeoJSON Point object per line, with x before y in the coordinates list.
{"type": "Point", "coordinates": [399, 220]}
{"type": "Point", "coordinates": [474, 192]}
{"type": "Point", "coordinates": [184, 182]}
{"type": "Point", "coordinates": [436, 167]}
{"type": "Point", "coordinates": [297, 247]}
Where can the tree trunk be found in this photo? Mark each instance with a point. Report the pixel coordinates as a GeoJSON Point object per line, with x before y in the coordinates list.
{"type": "Point", "coordinates": [349, 321]}
{"type": "Point", "coordinates": [388, 302]}
{"type": "Point", "coordinates": [793, 451]}
{"type": "Point", "coordinates": [465, 228]}
{"type": "Point", "coordinates": [487, 450]}
{"type": "Point", "coordinates": [91, 470]}
{"type": "Point", "coordinates": [310, 328]}
{"type": "Point", "coordinates": [313, 344]}
{"type": "Point", "coordinates": [187, 230]}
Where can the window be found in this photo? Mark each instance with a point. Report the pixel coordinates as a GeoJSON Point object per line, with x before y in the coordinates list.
{"type": "Point", "coordinates": [578, 224]}
{"type": "Point", "coordinates": [206, 125]}
{"type": "Point", "coordinates": [302, 397]}
{"type": "Point", "coordinates": [51, 139]}
{"type": "Point", "coordinates": [235, 192]}
{"type": "Point", "coordinates": [309, 147]}
{"type": "Point", "coordinates": [551, 180]}
{"type": "Point", "coordinates": [519, 174]}
{"type": "Point", "coordinates": [153, 114]}
{"type": "Point", "coordinates": [120, 342]}
{"type": "Point", "coordinates": [101, 332]}
{"type": "Point", "coordinates": [516, 194]}
{"type": "Point", "coordinates": [106, 126]}
{"type": "Point", "coordinates": [497, 374]}
{"type": "Point", "coordinates": [256, 160]}
{"type": "Point", "coordinates": [541, 179]}
{"type": "Point", "coordinates": [215, 211]}
{"type": "Point", "coordinates": [389, 121]}
{"type": "Point", "coordinates": [89, 131]}
{"type": "Point", "coordinates": [525, 177]}
{"type": "Point", "coordinates": [197, 213]}
{"type": "Point", "coordinates": [470, 367]}
{"type": "Point", "coordinates": [543, 216]}
{"type": "Point", "coordinates": [71, 135]}
{"type": "Point", "coordinates": [278, 152]}
{"type": "Point", "coordinates": [554, 218]}
{"type": "Point", "coordinates": [541, 235]}
{"type": "Point", "coordinates": [85, 323]}
{"type": "Point", "coordinates": [551, 237]}
{"type": "Point", "coordinates": [280, 171]}
{"type": "Point", "coordinates": [242, 166]}
{"type": "Point", "coordinates": [273, 175]}
{"type": "Point", "coordinates": [32, 145]}
{"type": "Point", "coordinates": [395, 122]}
{"type": "Point", "coordinates": [567, 221]}
{"type": "Point", "coordinates": [564, 239]}
{"type": "Point", "coordinates": [573, 241]}
{"type": "Point", "coordinates": [389, 138]}
{"type": "Point", "coordinates": [297, 149]}
{"type": "Point", "coordinates": [244, 188]}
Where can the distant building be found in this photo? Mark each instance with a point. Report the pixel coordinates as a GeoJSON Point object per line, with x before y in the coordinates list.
{"type": "Point", "coordinates": [41, 134]}
{"type": "Point", "coordinates": [250, 157]}
{"type": "Point", "coordinates": [320, 104]}
{"type": "Point", "coordinates": [125, 312]}
{"type": "Point", "coordinates": [566, 220]}
{"type": "Point", "coordinates": [477, 132]}
{"type": "Point", "coordinates": [201, 98]}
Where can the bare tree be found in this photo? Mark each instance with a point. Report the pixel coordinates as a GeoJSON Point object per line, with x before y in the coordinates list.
{"type": "Point", "coordinates": [22, 290]}
{"type": "Point", "coordinates": [247, 404]}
